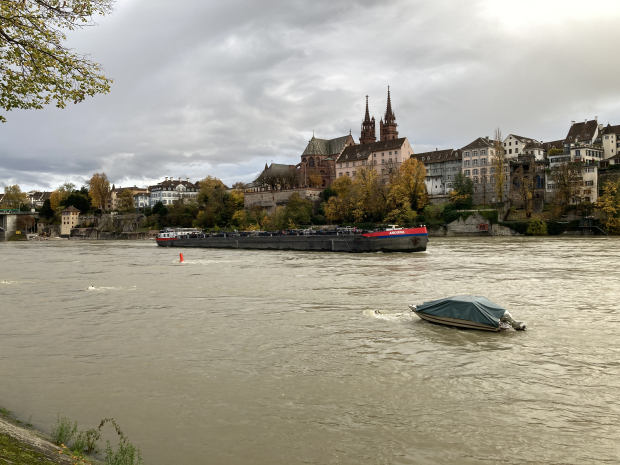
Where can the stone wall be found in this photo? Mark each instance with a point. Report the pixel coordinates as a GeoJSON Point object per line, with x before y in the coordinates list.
{"type": "Point", "coordinates": [470, 227]}
{"type": "Point", "coordinates": [272, 199]}
{"type": "Point", "coordinates": [90, 234]}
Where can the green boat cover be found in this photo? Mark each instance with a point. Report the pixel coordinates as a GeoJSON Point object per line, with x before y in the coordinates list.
{"type": "Point", "coordinates": [465, 307]}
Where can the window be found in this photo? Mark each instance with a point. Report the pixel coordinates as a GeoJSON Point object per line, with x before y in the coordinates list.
{"type": "Point", "coordinates": [474, 153]}
{"type": "Point", "coordinates": [383, 154]}
{"type": "Point", "coordinates": [516, 150]}
{"type": "Point", "coordinates": [347, 173]}
{"type": "Point", "coordinates": [589, 183]}
{"type": "Point", "coordinates": [340, 165]}
{"type": "Point", "coordinates": [390, 153]}
{"type": "Point", "coordinates": [606, 137]}
{"type": "Point", "coordinates": [505, 169]}
{"type": "Point", "coordinates": [395, 152]}
{"type": "Point", "coordinates": [466, 154]}
{"type": "Point", "coordinates": [383, 161]}
{"type": "Point", "coordinates": [483, 152]}
{"type": "Point", "coordinates": [476, 162]}
{"type": "Point", "coordinates": [467, 172]}
{"type": "Point", "coordinates": [340, 174]}
{"type": "Point", "coordinates": [475, 171]}
{"type": "Point", "coordinates": [390, 160]}
{"type": "Point", "coordinates": [475, 180]}
{"type": "Point", "coordinates": [492, 170]}
{"type": "Point", "coordinates": [363, 162]}
{"type": "Point", "coordinates": [466, 162]}
{"type": "Point", "coordinates": [347, 165]}
{"type": "Point", "coordinates": [449, 176]}
{"type": "Point", "coordinates": [374, 155]}
{"type": "Point", "coordinates": [354, 173]}
{"type": "Point", "coordinates": [483, 161]}
{"type": "Point", "coordinates": [422, 158]}
{"type": "Point", "coordinates": [353, 163]}
{"type": "Point", "coordinates": [509, 150]}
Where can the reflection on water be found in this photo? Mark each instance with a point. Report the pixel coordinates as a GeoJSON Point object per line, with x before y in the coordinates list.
{"type": "Point", "coordinates": [280, 357]}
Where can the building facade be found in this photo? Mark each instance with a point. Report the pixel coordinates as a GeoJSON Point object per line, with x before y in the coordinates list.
{"type": "Point", "coordinates": [169, 191]}
{"type": "Point", "coordinates": [70, 218]}
{"type": "Point", "coordinates": [442, 166]}
{"type": "Point", "coordinates": [478, 166]}
{"type": "Point", "coordinates": [515, 145]}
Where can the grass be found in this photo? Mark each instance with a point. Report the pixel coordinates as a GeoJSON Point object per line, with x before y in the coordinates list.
{"type": "Point", "coordinates": [18, 453]}
{"type": "Point", "coordinates": [17, 237]}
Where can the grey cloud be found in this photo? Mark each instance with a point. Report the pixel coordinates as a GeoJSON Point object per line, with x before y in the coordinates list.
{"type": "Point", "coordinates": [222, 87]}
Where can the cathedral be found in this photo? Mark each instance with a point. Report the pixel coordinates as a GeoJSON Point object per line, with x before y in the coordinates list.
{"type": "Point", "coordinates": [323, 160]}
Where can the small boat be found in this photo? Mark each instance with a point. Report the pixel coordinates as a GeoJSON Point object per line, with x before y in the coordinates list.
{"type": "Point", "coordinates": [467, 311]}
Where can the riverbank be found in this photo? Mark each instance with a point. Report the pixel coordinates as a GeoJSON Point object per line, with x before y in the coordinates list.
{"type": "Point", "coordinates": [22, 445]}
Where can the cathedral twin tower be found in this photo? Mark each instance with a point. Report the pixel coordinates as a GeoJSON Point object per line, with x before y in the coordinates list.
{"type": "Point", "coordinates": [387, 125]}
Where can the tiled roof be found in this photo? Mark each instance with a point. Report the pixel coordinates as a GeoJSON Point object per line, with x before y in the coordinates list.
{"type": "Point", "coordinates": [438, 156]}
{"type": "Point", "coordinates": [363, 151]}
{"type": "Point", "coordinates": [556, 144]}
{"type": "Point", "coordinates": [609, 129]}
{"type": "Point", "coordinates": [171, 184]}
{"type": "Point", "coordinates": [71, 209]}
{"type": "Point", "coordinates": [521, 138]}
{"type": "Point", "coordinates": [325, 146]}
{"type": "Point", "coordinates": [479, 143]}
{"type": "Point", "coordinates": [533, 144]}
{"type": "Point", "coordinates": [582, 131]}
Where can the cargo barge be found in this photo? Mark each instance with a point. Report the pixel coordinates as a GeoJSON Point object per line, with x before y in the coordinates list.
{"type": "Point", "coordinates": [389, 240]}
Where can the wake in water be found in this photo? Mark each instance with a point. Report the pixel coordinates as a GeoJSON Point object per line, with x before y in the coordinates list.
{"type": "Point", "coordinates": [103, 288]}
{"type": "Point", "coordinates": [400, 316]}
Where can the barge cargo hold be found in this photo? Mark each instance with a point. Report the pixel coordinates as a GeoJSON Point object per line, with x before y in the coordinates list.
{"type": "Point", "coordinates": [391, 240]}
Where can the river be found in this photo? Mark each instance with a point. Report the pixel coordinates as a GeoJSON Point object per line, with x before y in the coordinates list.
{"type": "Point", "coordinates": [255, 357]}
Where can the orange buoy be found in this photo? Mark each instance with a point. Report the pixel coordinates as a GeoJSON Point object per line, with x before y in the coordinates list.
{"type": "Point", "coordinates": [181, 258]}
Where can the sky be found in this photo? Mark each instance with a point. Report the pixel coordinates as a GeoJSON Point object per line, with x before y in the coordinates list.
{"type": "Point", "coordinates": [220, 88]}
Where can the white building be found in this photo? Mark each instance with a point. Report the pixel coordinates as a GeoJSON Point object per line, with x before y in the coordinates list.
{"type": "Point", "coordinates": [442, 166]}
{"type": "Point", "coordinates": [515, 145]}
{"type": "Point", "coordinates": [582, 144]}
{"type": "Point", "coordinates": [169, 190]}
{"type": "Point", "coordinates": [70, 219]}
{"type": "Point", "coordinates": [610, 138]}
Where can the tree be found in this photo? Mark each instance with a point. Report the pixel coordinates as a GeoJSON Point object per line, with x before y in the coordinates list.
{"type": "Point", "coordinates": [125, 201]}
{"type": "Point", "coordinates": [99, 190]}
{"type": "Point", "coordinates": [568, 185]}
{"type": "Point", "coordinates": [407, 185]}
{"type": "Point", "coordinates": [46, 210]}
{"type": "Point", "coordinates": [160, 209]}
{"type": "Point", "coordinates": [498, 162]}
{"type": "Point", "coordinates": [484, 185]}
{"type": "Point", "coordinates": [298, 210]}
{"type": "Point", "coordinates": [35, 66]}
{"type": "Point", "coordinates": [537, 228]}
{"type": "Point", "coordinates": [462, 191]}
{"type": "Point", "coordinates": [609, 204]}
{"type": "Point", "coordinates": [78, 201]}
{"type": "Point", "coordinates": [315, 179]}
{"type": "Point", "coordinates": [14, 197]}
{"type": "Point", "coordinates": [526, 188]}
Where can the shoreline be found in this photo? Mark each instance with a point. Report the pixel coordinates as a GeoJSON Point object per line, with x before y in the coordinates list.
{"type": "Point", "coordinates": [23, 444]}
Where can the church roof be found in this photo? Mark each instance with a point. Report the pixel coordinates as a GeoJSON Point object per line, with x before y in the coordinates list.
{"type": "Point", "coordinates": [325, 146]}
{"type": "Point", "coordinates": [363, 151]}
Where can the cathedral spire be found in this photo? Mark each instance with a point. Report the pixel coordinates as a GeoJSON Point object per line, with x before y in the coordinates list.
{"type": "Point", "coordinates": [368, 134]}
{"type": "Point", "coordinates": [387, 126]}
{"type": "Point", "coordinates": [367, 117]}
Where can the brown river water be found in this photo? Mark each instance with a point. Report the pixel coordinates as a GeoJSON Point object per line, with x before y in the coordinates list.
{"type": "Point", "coordinates": [256, 357]}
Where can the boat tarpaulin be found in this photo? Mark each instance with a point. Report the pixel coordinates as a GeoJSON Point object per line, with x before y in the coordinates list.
{"type": "Point", "coordinates": [465, 307]}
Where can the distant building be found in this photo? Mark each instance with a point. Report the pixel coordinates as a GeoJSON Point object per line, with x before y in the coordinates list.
{"type": "Point", "coordinates": [442, 166]}
{"type": "Point", "coordinates": [582, 144]}
{"type": "Point", "coordinates": [610, 138]}
{"type": "Point", "coordinates": [37, 198]}
{"type": "Point", "coordinates": [115, 193]}
{"type": "Point", "coordinates": [70, 219]}
{"type": "Point", "coordinates": [515, 145]}
{"type": "Point", "coordinates": [478, 166]}
{"type": "Point", "coordinates": [528, 170]}
{"type": "Point", "coordinates": [319, 157]}
{"type": "Point", "coordinates": [169, 190]}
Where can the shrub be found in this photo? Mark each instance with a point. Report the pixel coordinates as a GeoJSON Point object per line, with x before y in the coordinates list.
{"type": "Point", "coordinates": [126, 454]}
{"type": "Point", "coordinates": [537, 228]}
{"type": "Point", "coordinates": [517, 226]}
{"type": "Point", "coordinates": [63, 430]}
{"type": "Point", "coordinates": [451, 216]}
{"type": "Point", "coordinates": [491, 215]}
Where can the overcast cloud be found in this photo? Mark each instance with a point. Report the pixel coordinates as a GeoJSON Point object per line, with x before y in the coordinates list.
{"type": "Point", "coordinates": [220, 88]}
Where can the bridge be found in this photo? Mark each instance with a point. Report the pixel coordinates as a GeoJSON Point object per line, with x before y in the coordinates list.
{"type": "Point", "coordinates": [15, 220]}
